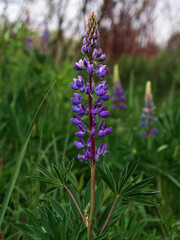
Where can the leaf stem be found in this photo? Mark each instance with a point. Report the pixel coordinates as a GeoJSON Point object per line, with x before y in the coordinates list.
{"type": "Point", "coordinates": [76, 204]}
{"type": "Point", "coordinates": [109, 215]}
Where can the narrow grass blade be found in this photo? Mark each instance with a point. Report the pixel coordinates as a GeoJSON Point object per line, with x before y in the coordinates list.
{"type": "Point", "coordinates": [19, 161]}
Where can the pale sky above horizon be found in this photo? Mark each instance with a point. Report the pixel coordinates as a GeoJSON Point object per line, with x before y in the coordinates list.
{"type": "Point", "coordinates": [167, 17]}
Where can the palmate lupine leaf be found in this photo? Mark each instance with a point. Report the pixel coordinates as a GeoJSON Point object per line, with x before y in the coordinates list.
{"type": "Point", "coordinates": [126, 174]}
{"type": "Point", "coordinates": [44, 220]}
{"type": "Point", "coordinates": [104, 215]}
{"type": "Point", "coordinates": [107, 177]}
{"type": "Point", "coordinates": [25, 228]}
{"type": "Point", "coordinates": [52, 225]}
{"type": "Point", "coordinates": [75, 234]}
{"type": "Point", "coordinates": [56, 177]}
{"type": "Point", "coordinates": [87, 193]}
{"type": "Point", "coordinates": [33, 220]}
{"type": "Point", "coordinates": [127, 187]}
{"type": "Point", "coordinates": [72, 204]}
{"type": "Point", "coordinates": [57, 208]}
{"type": "Point", "coordinates": [98, 197]}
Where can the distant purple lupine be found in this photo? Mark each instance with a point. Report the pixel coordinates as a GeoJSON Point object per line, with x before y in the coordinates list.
{"type": "Point", "coordinates": [147, 117]}
{"type": "Point", "coordinates": [87, 117]}
{"type": "Point", "coordinates": [118, 93]}
{"type": "Point", "coordinates": [45, 37]}
{"type": "Point", "coordinates": [28, 39]}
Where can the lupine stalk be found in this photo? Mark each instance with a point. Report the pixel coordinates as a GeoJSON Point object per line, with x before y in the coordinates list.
{"type": "Point", "coordinates": [87, 117]}
{"type": "Point", "coordinates": [118, 93]}
{"type": "Point", "coordinates": [45, 38]}
{"type": "Point", "coordinates": [28, 39]}
{"type": "Point", "coordinates": [147, 117]}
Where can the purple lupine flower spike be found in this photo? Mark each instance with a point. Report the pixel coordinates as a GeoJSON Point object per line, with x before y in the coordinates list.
{"type": "Point", "coordinates": [45, 38]}
{"type": "Point", "coordinates": [89, 117]}
{"type": "Point", "coordinates": [147, 117]}
{"type": "Point", "coordinates": [118, 93]}
{"type": "Point", "coordinates": [28, 39]}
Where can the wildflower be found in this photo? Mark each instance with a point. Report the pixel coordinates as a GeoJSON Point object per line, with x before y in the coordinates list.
{"type": "Point", "coordinates": [45, 38]}
{"type": "Point", "coordinates": [118, 93]}
{"type": "Point", "coordinates": [87, 116]}
{"type": "Point", "coordinates": [28, 39]}
{"type": "Point", "coordinates": [147, 117]}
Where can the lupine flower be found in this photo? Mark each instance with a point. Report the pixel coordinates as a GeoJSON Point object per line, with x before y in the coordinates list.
{"type": "Point", "coordinates": [147, 117]}
{"type": "Point", "coordinates": [45, 37]}
{"type": "Point", "coordinates": [88, 115]}
{"type": "Point", "coordinates": [27, 16]}
{"type": "Point", "coordinates": [28, 39]}
{"type": "Point", "coordinates": [118, 93]}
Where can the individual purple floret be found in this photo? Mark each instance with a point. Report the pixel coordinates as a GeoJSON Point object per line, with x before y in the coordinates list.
{"type": "Point", "coordinates": [118, 93]}
{"type": "Point", "coordinates": [88, 112]}
{"type": "Point", "coordinates": [45, 38]}
{"type": "Point", "coordinates": [147, 118]}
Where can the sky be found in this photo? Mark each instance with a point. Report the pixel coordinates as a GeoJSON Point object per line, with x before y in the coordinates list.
{"type": "Point", "coordinates": [167, 18]}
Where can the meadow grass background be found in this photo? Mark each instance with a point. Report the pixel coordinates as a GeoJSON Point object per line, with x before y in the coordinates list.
{"type": "Point", "coordinates": [26, 77]}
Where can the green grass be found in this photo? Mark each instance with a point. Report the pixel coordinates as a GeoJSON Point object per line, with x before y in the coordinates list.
{"type": "Point", "coordinates": [26, 100]}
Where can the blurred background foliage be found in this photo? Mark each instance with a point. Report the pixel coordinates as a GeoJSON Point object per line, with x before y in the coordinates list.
{"type": "Point", "coordinates": [27, 74]}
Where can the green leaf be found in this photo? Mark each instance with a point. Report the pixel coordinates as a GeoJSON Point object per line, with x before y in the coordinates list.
{"type": "Point", "coordinates": [143, 202]}
{"type": "Point", "coordinates": [98, 195]}
{"type": "Point", "coordinates": [162, 148]}
{"type": "Point", "coordinates": [119, 237]}
{"type": "Point", "coordinates": [64, 227]}
{"type": "Point", "coordinates": [141, 194]}
{"type": "Point", "coordinates": [83, 234]}
{"type": "Point", "coordinates": [58, 208]}
{"type": "Point", "coordinates": [70, 165]}
{"type": "Point", "coordinates": [24, 228]}
{"type": "Point", "coordinates": [110, 176]}
{"type": "Point", "coordinates": [75, 234]}
{"type": "Point", "coordinates": [104, 235]}
{"type": "Point", "coordinates": [45, 180]}
{"type": "Point", "coordinates": [137, 186]}
{"type": "Point", "coordinates": [106, 213]}
{"type": "Point", "coordinates": [122, 177]}
{"type": "Point", "coordinates": [57, 173]}
{"type": "Point", "coordinates": [49, 190]}
{"type": "Point", "coordinates": [44, 220]}
{"type": "Point", "coordinates": [126, 174]}
{"type": "Point", "coordinates": [106, 179]}
{"type": "Point", "coordinates": [43, 170]}
{"type": "Point", "coordinates": [33, 219]}
{"type": "Point", "coordinates": [73, 206]}
{"type": "Point", "coordinates": [14, 177]}
{"type": "Point", "coordinates": [87, 194]}
{"type": "Point", "coordinates": [53, 223]}
{"type": "Point", "coordinates": [39, 233]}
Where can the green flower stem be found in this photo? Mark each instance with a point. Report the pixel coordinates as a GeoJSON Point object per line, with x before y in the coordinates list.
{"type": "Point", "coordinates": [90, 226]}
